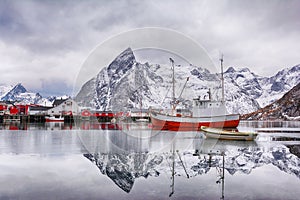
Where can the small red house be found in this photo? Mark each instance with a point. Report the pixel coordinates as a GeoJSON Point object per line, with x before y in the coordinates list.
{"type": "Point", "coordinates": [13, 110]}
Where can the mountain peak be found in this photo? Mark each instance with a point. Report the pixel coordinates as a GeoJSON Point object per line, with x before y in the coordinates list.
{"type": "Point", "coordinates": [19, 88]}
{"type": "Point", "coordinates": [125, 55]}
{"type": "Point", "coordinates": [296, 68]}
{"type": "Point", "coordinates": [239, 70]}
{"type": "Point", "coordinates": [128, 50]}
{"type": "Point", "coordinates": [230, 70]}
{"type": "Point", "coordinates": [121, 63]}
{"type": "Point", "coordinates": [15, 91]}
{"type": "Point", "coordinates": [245, 69]}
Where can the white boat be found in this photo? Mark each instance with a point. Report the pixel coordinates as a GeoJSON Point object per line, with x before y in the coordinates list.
{"type": "Point", "coordinates": [221, 134]}
{"type": "Point", "coordinates": [205, 112]}
{"type": "Point", "coordinates": [55, 118]}
{"type": "Point", "coordinates": [141, 120]}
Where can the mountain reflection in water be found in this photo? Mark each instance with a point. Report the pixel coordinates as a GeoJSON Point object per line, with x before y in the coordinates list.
{"type": "Point", "coordinates": [130, 156]}
{"type": "Point", "coordinates": [134, 162]}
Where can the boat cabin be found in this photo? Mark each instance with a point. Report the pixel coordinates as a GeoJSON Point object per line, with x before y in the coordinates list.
{"type": "Point", "coordinates": [183, 112]}
{"type": "Point", "coordinates": [206, 103]}
{"type": "Point", "coordinates": [202, 103]}
{"type": "Point", "coordinates": [208, 107]}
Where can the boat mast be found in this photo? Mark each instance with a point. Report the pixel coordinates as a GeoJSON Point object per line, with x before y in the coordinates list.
{"type": "Point", "coordinates": [173, 80]}
{"type": "Point", "coordinates": [222, 78]}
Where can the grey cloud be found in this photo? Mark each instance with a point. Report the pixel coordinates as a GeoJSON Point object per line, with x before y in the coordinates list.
{"type": "Point", "coordinates": [42, 26]}
{"type": "Point", "coordinates": [249, 33]}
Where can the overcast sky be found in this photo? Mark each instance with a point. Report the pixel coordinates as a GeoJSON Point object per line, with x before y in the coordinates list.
{"type": "Point", "coordinates": [43, 44]}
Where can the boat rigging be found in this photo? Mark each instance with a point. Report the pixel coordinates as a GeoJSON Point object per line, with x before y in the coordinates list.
{"type": "Point", "coordinates": [203, 113]}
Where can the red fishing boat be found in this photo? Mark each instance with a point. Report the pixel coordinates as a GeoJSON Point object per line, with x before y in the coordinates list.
{"type": "Point", "coordinates": [204, 112]}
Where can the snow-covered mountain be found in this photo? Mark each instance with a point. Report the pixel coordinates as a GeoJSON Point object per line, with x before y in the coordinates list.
{"type": "Point", "coordinates": [18, 93]}
{"type": "Point", "coordinates": [241, 90]}
{"type": "Point", "coordinates": [287, 107]}
{"type": "Point", "coordinates": [8, 91]}
{"type": "Point", "coordinates": [127, 84]}
{"type": "Point", "coordinates": [261, 90]}
{"type": "Point", "coordinates": [276, 86]}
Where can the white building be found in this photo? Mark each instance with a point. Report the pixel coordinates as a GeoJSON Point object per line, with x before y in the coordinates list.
{"type": "Point", "coordinates": [64, 107]}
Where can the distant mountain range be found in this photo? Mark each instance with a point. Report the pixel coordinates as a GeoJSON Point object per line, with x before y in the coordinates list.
{"type": "Point", "coordinates": [127, 84]}
{"type": "Point", "coordinates": [247, 92]}
{"type": "Point", "coordinates": [287, 107]}
{"type": "Point", "coordinates": [18, 93]}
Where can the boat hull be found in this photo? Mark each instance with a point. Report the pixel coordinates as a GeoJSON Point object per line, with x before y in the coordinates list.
{"type": "Point", "coordinates": [53, 119]}
{"type": "Point", "coordinates": [174, 123]}
{"type": "Point", "coordinates": [227, 135]}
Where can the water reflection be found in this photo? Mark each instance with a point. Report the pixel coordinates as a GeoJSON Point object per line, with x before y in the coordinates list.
{"type": "Point", "coordinates": [126, 158]}
{"type": "Point", "coordinates": [271, 124]}
{"type": "Point", "coordinates": [134, 162]}
{"type": "Point", "coordinates": [82, 125]}
{"type": "Point", "coordinates": [260, 126]}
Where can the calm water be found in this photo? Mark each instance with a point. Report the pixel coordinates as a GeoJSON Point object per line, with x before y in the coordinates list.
{"type": "Point", "coordinates": [130, 161]}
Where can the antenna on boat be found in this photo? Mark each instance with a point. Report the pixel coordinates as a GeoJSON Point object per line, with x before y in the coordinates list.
{"type": "Point", "coordinates": [222, 77]}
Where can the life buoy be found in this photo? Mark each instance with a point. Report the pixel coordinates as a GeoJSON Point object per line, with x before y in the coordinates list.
{"type": "Point", "coordinates": [86, 113]}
